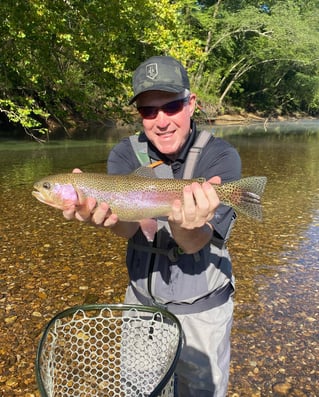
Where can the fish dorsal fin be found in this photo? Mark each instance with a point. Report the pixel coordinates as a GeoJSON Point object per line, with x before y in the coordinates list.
{"type": "Point", "coordinates": [145, 172]}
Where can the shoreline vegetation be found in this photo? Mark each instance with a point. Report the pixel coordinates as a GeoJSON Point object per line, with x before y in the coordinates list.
{"type": "Point", "coordinates": [110, 130]}
{"type": "Point", "coordinates": [69, 68]}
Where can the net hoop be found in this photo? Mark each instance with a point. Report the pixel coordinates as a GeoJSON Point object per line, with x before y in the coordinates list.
{"type": "Point", "coordinates": [129, 313]}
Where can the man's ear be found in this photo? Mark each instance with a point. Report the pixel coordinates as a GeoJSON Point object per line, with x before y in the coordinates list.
{"type": "Point", "coordinates": [192, 104]}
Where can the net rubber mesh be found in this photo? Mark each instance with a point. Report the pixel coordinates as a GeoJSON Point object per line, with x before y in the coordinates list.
{"type": "Point", "coordinates": [114, 350]}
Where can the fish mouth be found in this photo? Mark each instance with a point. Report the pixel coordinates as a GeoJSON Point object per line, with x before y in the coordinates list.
{"type": "Point", "coordinates": [39, 196]}
{"type": "Point", "coordinates": [46, 200]}
{"type": "Point", "coordinates": [53, 201]}
{"type": "Point", "coordinates": [43, 198]}
{"type": "Point", "coordinates": [35, 193]}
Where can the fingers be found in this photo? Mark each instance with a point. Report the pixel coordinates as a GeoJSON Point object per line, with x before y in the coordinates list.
{"type": "Point", "coordinates": [102, 216]}
{"type": "Point", "coordinates": [84, 210]}
{"type": "Point", "coordinates": [177, 212]}
{"type": "Point", "coordinates": [88, 211]}
{"type": "Point", "coordinates": [216, 180]}
{"type": "Point", "coordinates": [69, 213]}
{"type": "Point", "coordinates": [198, 207]}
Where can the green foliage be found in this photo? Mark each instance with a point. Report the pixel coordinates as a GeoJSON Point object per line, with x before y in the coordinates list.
{"type": "Point", "coordinates": [27, 115]}
{"type": "Point", "coordinates": [73, 60]}
{"type": "Point", "coordinates": [251, 51]}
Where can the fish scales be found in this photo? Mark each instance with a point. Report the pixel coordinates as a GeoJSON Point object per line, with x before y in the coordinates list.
{"type": "Point", "coordinates": [134, 197]}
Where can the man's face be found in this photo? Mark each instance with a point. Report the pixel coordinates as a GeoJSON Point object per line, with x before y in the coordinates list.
{"type": "Point", "coordinates": [167, 132]}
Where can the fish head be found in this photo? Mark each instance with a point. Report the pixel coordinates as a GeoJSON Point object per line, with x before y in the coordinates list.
{"type": "Point", "coordinates": [57, 194]}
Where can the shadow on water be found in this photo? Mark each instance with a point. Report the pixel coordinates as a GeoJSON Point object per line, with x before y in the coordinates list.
{"type": "Point", "coordinates": [48, 264]}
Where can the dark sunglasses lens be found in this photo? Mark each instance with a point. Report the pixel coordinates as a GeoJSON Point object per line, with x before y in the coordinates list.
{"type": "Point", "coordinates": [173, 107]}
{"type": "Point", "coordinates": [148, 112]}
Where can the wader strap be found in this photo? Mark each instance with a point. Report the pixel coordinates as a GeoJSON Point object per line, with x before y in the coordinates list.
{"type": "Point", "coordinates": [140, 149]}
{"type": "Point", "coordinates": [215, 299]}
{"type": "Point", "coordinates": [173, 254]}
{"type": "Point", "coordinates": [194, 152]}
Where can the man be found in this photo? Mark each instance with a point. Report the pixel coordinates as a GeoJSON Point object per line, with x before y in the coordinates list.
{"type": "Point", "coordinates": [181, 262]}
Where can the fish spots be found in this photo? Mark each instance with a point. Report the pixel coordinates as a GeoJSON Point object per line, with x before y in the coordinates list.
{"type": "Point", "coordinates": [134, 197]}
{"type": "Point", "coordinates": [236, 196]}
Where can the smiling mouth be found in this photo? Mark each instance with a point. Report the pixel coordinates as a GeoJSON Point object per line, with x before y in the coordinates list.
{"type": "Point", "coordinates": [166, 133]}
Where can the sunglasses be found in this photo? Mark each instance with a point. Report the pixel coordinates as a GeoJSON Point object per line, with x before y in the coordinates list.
{"type": "Point", "coordinates": [170, 108]}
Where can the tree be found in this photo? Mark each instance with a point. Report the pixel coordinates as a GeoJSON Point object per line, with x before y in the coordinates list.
{"type": "Point", "coordinates": [72, 60]}
{"type": "Point", "coordinates": [249, 49]}
{"type": "Point", "coordinates": [75, 58]}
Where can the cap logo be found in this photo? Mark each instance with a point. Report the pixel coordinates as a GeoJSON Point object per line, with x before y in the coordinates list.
{"type": "Point", "coordinates": [151, 71]}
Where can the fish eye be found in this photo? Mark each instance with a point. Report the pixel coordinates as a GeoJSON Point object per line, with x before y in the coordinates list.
{"type": "Point", "coordinates": [46, 185]}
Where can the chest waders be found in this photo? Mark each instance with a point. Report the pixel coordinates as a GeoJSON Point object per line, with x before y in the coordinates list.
{"type": "Point", "coordinates": [165, 171]}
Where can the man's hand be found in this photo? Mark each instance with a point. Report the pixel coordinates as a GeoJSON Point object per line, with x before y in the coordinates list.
{"type": "Point", "coordinates": [189, 221]}
{"type": "Point", "coordinates": [199, 204]}
{"type": "Point", "coordinates": [88, 210]}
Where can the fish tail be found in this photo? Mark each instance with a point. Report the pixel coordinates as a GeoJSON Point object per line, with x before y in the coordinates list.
{"type": "Point", "coordinates": [246, 196]}
{"type": "Point", "coordinates": [252, 189]}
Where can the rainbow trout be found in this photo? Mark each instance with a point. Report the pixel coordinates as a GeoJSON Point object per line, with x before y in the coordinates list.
{"type": "Point", "coordinates": [135, 196]}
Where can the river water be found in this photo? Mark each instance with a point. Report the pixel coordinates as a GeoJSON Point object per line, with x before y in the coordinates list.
{"type": "Point", "coordinates": [48, 264]}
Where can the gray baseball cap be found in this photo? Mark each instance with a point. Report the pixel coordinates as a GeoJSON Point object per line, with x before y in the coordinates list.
{"type": "Point", "coordinates": [161, 73]}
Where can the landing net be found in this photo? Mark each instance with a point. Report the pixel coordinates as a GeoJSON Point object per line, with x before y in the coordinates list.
{"type": "Point", "coordinates": [109, 350]}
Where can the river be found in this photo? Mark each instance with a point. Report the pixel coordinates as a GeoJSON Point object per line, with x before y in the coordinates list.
{"type": "Point", "coordinates": [48, 264]}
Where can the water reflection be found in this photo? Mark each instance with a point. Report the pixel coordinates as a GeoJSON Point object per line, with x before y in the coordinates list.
{"type": "Point", "coordinates": [47, 264]}
{"type": "Point", "coordinates": [23, 163]}
{"type": "Point", "coordinates": [297, 127]}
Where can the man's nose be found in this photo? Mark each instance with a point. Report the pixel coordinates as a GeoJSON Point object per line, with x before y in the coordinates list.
{"type": "Point", "coordinates": [162, 120]}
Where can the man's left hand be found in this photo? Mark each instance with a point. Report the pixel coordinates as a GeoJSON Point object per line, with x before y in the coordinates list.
{"type": "Point", "coordinates": [198, 207]}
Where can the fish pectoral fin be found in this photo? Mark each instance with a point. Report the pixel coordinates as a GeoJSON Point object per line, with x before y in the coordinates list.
{"type": "Point", "coordinates": [67, 204]}
{"type": "Point", "coordinates": [145, 172]}
{"type": "Point", "coordinates": [215, 180]}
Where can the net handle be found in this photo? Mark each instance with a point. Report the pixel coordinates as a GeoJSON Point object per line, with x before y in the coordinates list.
{"type": "Point", "coordinates": [116, 306]}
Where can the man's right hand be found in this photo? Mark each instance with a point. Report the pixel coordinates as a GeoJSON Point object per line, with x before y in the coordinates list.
{"type": "Point", "coordinates": [88, 210]}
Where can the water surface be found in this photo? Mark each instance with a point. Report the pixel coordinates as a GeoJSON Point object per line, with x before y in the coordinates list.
{"type": "Point", "coordinates": [48, 264]}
